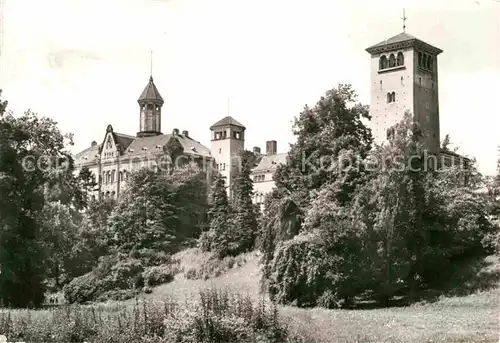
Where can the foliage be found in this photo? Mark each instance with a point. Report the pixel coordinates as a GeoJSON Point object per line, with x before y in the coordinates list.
{"type": "Point", "coordinates": [112, 275]}
{"type": "Point", "coordinates": [245, 221]}
{"type": "Point", "coordinates": [34, 168]}
{"type": "Point", "coordinates": [233, 228]}
{"type": "Point", "coordinates": [159, 210]}
{"type": "Point", "coordinates": [217, 239]}
{"type": "Point", "coordinates": [404, 228]}
{"type": "Point", "coordinates": [214, 267]}
{"type": "Point", "coordinates": [216, 316]}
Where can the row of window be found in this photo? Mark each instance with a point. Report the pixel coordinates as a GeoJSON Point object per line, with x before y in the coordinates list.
{"type": "Point", "coordinates": [259, 178]}
{"type": "Point", "coordinates": [392, 61]}
{"type": "Point", "coordinates": [223, 135]}
{"type": "Point", "coordinates": [425, 61]}
{"type": "Point", "coordinates": [109, 176]}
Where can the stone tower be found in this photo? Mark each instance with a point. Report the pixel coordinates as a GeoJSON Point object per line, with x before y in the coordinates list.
{"type": "Point", "coordinates": [404, 76]}
{"type": "Point", "coordinates": [150, 103]}
{"type": "Point", "coordinates": [227, 140]}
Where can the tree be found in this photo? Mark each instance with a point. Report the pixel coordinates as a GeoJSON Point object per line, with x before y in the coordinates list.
{"type": "Point", "coordinates": [218, 236]}
{"type": "Point", "coordinates": [403, 231]}
{"type": "Point", "coordinates": [159, 210]}
{"type": "Point", "coordinates": [245, 219]}
{"type": "Point", "coordinates": [31, 152]}
{"type": "Point", "coordinates": [332, 141]}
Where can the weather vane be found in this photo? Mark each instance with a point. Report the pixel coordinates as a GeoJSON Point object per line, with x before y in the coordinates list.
{"type": "Point", "coordinates": [404, 20]}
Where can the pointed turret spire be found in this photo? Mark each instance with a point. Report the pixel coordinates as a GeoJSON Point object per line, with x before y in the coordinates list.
{"type": "Point", "coordinates": [150, 93]}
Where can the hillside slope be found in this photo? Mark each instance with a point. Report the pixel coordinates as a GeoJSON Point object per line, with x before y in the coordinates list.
{"type": "Point", "coordinates": [473, 318]}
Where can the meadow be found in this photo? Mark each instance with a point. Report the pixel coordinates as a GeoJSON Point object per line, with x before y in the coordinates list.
{"type": "Point", "coordinates": [210, 302]}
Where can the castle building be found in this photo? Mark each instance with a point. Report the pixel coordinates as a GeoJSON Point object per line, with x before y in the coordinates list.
{"type": "Point", "coordinates": [118, 154]}
{"type": "Point", "coordinates": [404, 77]}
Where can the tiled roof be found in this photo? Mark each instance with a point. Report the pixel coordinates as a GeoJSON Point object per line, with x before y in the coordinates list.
{"type": "Point", "coordinates": [270, 162]}
{"type": "Point", "coordinates": [87, 155]}
{"type": "Point", "coordinates": [401, 38]}
{"type": "Point", "coordinates": [139, 146]}
{"type": "Point", "coordinates": [144, 145]}
{"type": "Point", "coordinates": [150, 92]}
{"type": "Point", "coordinates": [227, 121]}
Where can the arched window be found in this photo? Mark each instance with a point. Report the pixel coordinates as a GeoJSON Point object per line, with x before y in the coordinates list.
{"type": "Point", "coordinates": [124, 174]}
{"type": "Point", "coordinates": [389, 97]}
{"type": "Point", "coordinates": [383, 62]}
{"type": "Point", "coordinates": [429, 62]}
{"type": "Point", "coordinates": [420, 57]}
{"type": "Point", "coordinates": [393, 97]}
{"type": "Point", "coordinates": [392, 61]}
{"type": "Point", "coordinates": [120, 177]}
{"type": "Point", "coordinates": [401, 59]}
{"type": "Point", "coordinates": [113, 176]}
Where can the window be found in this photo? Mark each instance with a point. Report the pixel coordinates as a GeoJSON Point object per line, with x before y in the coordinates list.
{"type": "Point", "coordinates": [392, 61]}
{"type": "Point", "coordinates": [383, 62]}
{"type": "Point", "coordinates": [120, 176]}
{"type": "Point", "coordinates": [401, 59]}
{"type": "Point", "coordinates": [389, 97]}
{"type": "Point", "coordinates": [113, 176]}
{"type": "Point", "coordinates": [224, 166]}
{"type": "Point", "coordinates": [420, 59]}
{"type": "Point", "coordinates": [419, 81]}
{"type": "Point", "coordinates": [220, 151]}
{"type": "Point", "coordinates": [236, 135]}
{"type": "Point", "coordinates": [393, 96]}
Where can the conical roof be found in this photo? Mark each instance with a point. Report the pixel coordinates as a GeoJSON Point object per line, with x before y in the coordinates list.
{"type": "Point", "coordinates": [150, 93]}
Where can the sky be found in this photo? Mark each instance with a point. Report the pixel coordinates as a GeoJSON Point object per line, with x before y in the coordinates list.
{"type": "Point", "coordinates": [84, 63]}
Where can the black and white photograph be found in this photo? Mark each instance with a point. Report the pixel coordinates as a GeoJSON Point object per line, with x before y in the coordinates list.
{"type": "Point", "coordinates": [255, 171]}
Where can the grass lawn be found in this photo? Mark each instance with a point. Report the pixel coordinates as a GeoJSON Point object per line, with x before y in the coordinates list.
{"type": "Point", "coordinates": [472, 318]}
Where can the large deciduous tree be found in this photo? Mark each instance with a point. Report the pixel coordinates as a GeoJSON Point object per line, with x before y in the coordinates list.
{"type": "Point", "coordinates": [35, 167]}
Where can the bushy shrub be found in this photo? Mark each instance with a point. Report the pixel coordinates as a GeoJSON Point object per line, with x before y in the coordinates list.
{"type": "Point", "coordinates": [302, 273]}
{"type": "Point", "coordinates": [157, 275]}
{"type": "Point", "coordinates": [111, 277]}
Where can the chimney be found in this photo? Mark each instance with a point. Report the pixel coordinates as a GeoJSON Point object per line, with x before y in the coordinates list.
{"type": "Point", "coordinates": [256, 150]}
{"type": "Point", "coordinates": [94, 143]}
{"type": "Point", "coordinates": [175, 132]}
{"type": "Point", "coordinates": [185, 133]}
{"type": "Point", "coordinates": [271, 147]}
